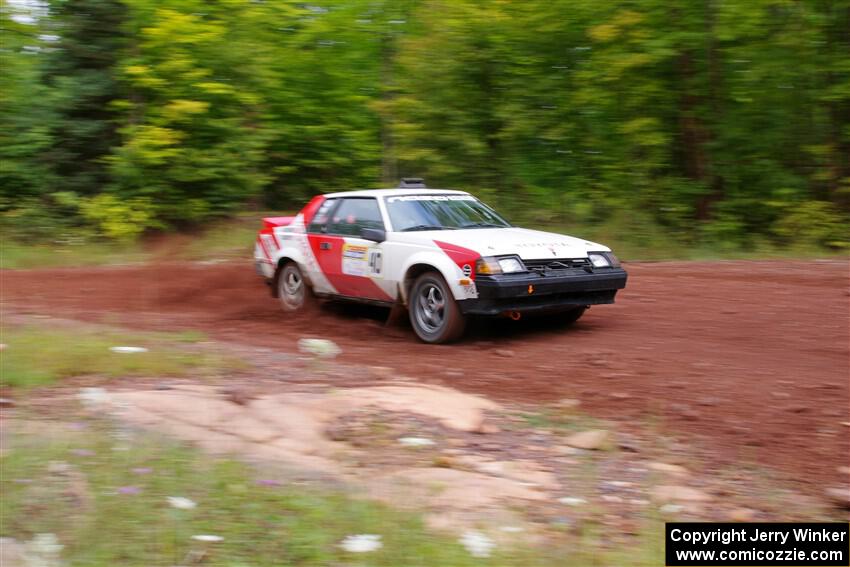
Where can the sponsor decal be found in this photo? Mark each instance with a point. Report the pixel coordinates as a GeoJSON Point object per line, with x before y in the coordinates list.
{"type": "Point", "coordinates": [355, 259]}
{"type": "Point", "coordinates": [359, 260]}
{"type": "Point", "coordinates": [376, 260]}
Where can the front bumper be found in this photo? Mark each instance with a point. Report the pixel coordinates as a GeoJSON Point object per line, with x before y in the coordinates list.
{"type": "Point", "coordinates": [534, 292]}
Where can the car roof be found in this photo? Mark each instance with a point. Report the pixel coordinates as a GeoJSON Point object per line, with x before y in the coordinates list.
{"type": "Point", "coordinates": [391, 192]}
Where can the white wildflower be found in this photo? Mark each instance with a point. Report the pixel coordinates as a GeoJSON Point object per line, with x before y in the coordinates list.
{"type": "Point", "coordinates": [43, 551]}
{"type": "Point", "coordinates": [477, 544]}
{"type": "Point", "coordinates": [93, 398]}
{"type": "Point", "coordinates": [207, 538]}
{"type": "Point", "coordinates": [572, 501]}
{"type": "Point", "coordinates": [128, 349]}
{"type": "Point", "coordinates": [361, 543]}
{"type": "Point", "coordinates": [671, 508]}
{"type": "Point", "coordinates": [181, 503]}
{"type": "Point", "coordinates": [416, 441]}
{"type": "Point", "coordinates": [58, 467]}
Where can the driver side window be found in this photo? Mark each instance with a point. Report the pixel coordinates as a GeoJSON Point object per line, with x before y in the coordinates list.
{"type": "Point", "coordinates": [353, 215]}
{"type": "Point", "coordinates": [321, 216]}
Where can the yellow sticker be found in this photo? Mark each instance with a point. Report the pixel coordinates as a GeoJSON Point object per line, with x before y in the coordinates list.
{"type": "Point", "coordinates": [355, 259]}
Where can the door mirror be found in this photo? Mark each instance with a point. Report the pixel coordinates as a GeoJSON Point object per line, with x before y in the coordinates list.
{"type": "Point", "coordinates": [373, 234]}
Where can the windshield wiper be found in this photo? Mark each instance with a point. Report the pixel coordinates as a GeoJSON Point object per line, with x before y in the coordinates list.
{"type": "Point", "coordinates": [426, 227]}
{"type": "Point", "coordinates": [482, 225]}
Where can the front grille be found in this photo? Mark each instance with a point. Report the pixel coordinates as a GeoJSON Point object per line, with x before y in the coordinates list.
{"type": "Point", "coordinates": [556, 264]}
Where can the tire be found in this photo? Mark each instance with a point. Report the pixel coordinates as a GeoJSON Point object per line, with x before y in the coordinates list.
{"type": "Point", "coordinates": [292, 290]}
{"type": "Point", "coordinates": [434, 313]}
{"type": "Point", "coordinates": [573, 315]}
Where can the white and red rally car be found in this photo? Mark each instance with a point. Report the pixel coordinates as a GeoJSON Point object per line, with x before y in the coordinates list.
{"type": "Point", "coordinates": [441, 254]}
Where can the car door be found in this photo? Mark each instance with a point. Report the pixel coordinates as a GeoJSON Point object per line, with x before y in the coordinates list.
{"type": "Point", "coordinates": [352, 264]}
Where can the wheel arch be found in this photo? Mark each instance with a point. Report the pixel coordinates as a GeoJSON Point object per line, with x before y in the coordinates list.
{"type": "Point", "coordinates": [410, 275]}
{"type": "Point", "coordinates": [420, 264]}
{"type": "Point", "coordinates": [281, 262]}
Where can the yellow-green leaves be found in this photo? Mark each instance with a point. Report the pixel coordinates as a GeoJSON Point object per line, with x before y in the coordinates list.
{"type": "Point", "coordinates": [118, 218]}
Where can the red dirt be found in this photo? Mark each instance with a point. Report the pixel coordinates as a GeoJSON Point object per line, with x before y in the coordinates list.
{"type": "Point", "coordinates": [748, 360]}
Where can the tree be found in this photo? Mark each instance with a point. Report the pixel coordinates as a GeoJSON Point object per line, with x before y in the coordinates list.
{"type": "Point", "coordinates": [191, 140]}
{"type": "Point", "coordinates": [81, 73]}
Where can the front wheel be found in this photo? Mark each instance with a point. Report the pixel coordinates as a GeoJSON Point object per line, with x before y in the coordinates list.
{"type": "Point", "coordinates": [573, 315]}
{"type": "Point", "coordinates": [434, 313]}
{"type": "Point", "coordinates": [291, 288]}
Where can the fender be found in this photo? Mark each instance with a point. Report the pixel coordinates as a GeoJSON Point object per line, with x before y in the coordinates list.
{"type": "Point", "coordinates": [280, 241]}
{"type": "Point", "coordinates": [295, 246]}
{"type": "Point", "coordinates": [447, 268]}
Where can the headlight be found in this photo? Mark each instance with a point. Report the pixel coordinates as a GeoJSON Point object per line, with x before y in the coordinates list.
{"type": "Point", "coordinates": [511, 265]}
{"type": "Point", "coordinates": [487, 266]}
{"type": "Point", "coordinates": [612, 259]}
{"type": "Point", "coordinates": [490, 265]}
{"type": "Point", "coordinates": [598, 260]}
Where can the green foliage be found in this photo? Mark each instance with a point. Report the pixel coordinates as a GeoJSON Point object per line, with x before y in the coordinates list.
{"type": "Point", "coordinates": [710, 121]}
{"type": "Point", "coordinates": [119, 219]}
{"type": "Point", "coordinates": [80, 71]}
{"type": "Point", "coordinates": [814, 223]}
{"type": "Point", "coordinates": [26, 111]}
{"type": "Point", "coordinates": [190, 146]}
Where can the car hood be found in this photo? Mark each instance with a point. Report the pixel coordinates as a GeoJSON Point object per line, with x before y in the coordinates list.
{"type": "Point", "coordinates": [527, 244]}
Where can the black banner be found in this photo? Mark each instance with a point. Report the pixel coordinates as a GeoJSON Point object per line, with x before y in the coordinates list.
{"type": "Point", "coordinates": [692, 544]}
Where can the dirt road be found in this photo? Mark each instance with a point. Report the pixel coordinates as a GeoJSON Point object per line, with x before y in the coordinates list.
{"type": "Point", "coordinates": [746, 360]}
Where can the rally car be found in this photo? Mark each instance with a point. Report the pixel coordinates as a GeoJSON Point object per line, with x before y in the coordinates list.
{"type": "Point", "coordinates": [441, 254]}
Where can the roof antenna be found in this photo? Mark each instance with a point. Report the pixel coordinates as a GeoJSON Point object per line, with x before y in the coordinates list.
{"type": "Point", "coordinates": [412, 183]}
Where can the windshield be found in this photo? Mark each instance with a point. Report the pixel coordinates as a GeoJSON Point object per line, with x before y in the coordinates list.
{"type": "Point", "coordinates": [439, 212]}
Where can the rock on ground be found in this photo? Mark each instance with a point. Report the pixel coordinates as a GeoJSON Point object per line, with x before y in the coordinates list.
{"type": "Point", "coordinates": [675, 493]}
{"type": "Point", "coordinates": [592, 439]}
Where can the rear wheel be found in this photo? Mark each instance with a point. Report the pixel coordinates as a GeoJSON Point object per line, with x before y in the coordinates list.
{"type": "Point", "coordinates": [434, 313]}
{"type": "Point", "coordinates": [291, 288]}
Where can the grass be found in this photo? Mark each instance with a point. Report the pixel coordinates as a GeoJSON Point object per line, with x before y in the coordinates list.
{"type": "Point", "coordinates": [19, 255]}
{"type": "Point", "coordinates": [226, 240]}
{"type": "Point", "coordinates": [109, 507]}
{"type": "Point", "coordinates": [233, 239]}
{"type": "Point", "coordinates": [39, 356]}
{"type": "Point", "coordinates": [223, 240]}
{"type": "Point", "coordinates": [560, 420]}
{"type": "Point", "coordinates": [261, 525]}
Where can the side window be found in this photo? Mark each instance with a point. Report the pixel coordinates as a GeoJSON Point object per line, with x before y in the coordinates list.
{"type": "Point", "coordinates": [353, 215]}
{"type": "Point", "coordinates": [321, 216]}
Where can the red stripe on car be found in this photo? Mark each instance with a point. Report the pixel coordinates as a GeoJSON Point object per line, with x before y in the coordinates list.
{"type": "Point", "coordinates": [309, 211]}
{"type": "Point", "coordinates": [263, 247]}
{"type": "Point", "coordinates": [461, 256]}
{"type": "Point", "coordinates": [328, 253]}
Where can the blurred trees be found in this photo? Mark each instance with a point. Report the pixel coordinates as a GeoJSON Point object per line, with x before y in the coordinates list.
{"type": "Point", "coordinates": [26, 111]}
{"type": "Point", "coordinates": [716, 121]}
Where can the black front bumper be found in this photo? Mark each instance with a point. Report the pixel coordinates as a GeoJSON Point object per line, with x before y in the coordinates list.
{"type": "Point", "coordinates": [535, 292]}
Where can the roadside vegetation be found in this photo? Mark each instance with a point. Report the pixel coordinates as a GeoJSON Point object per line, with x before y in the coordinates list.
{"type": "Point", "coordinates": [41, 354]}
{"type": "Point", "coordinates": [686, 129]}
{"type": "Point", "coordinates": [233, 240]}
{"type": "Point", "coordinates": [103, 493]}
